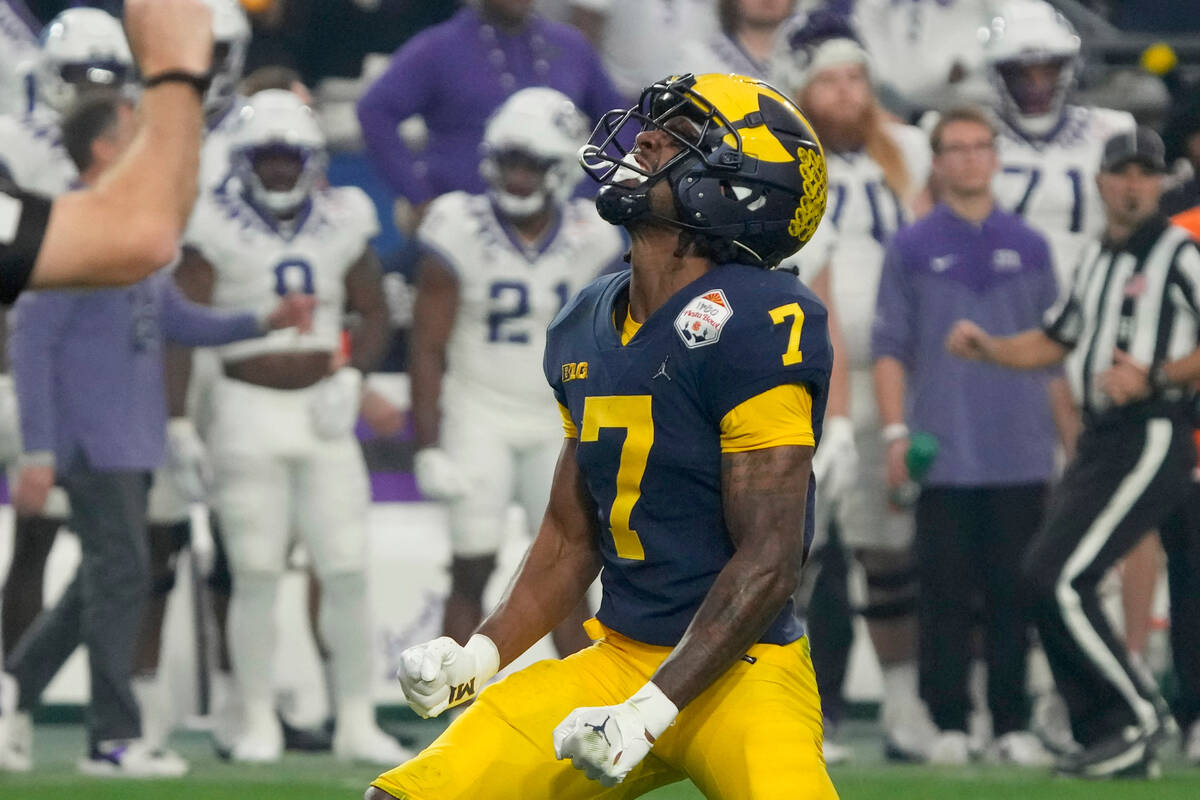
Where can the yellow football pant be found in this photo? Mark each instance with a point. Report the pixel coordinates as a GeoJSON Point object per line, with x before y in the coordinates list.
{"type": "Point", "coordinates": [754, 734]}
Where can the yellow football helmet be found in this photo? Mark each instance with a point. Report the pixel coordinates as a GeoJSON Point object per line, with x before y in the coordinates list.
{"type": "Point", "coordinates": [750, 175]}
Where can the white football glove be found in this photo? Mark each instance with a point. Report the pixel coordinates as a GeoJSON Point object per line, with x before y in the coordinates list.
{"type": "Point", "coordinates": [836, 461]}
{"type": "Point", "coordinates": [606, 742]}
{"type": "Point", "coordinates": [187, 459]}
{"type": "Point", "coordinates": [438, 477]}
{"type": "Point", "coordinates": [10, 423]}
{"type": "Point", "coordinates": [442, 673]}
{"type": "Point", "coordinates": [334, 406]}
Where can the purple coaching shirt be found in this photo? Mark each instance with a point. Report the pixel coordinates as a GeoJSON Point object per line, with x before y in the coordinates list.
{"type": "Point", "coordinates": [993, 424]}
{"type": "Point", "coordinates": [455, 75]}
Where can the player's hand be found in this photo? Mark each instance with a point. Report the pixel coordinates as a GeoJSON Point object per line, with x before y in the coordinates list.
{"type": "Point", "coordinates": [606, 742]}
{"type": "Point", "coordinates": [187, 459]}
{"type": "Point", "coordinates": [166, 35]}
{"type": "Point", "coordinates": [441, 674]}
{"type": "Point", "coordinates": [295, 310]}
{"type": "Point", "coordinates": [384, 418]}
{"type": "Point", "coordinates": [1126, 381]}
{"type": "Point", "coordinates": [438, 477]}
{"type": "Point", "coordinates": [34, 483]}
{"type": "Point", "coordinates": [334, 406]}
{"type": "Point", "coordinates": [968, 340]}
{"type": "Point", "coordinates": [836, 461]}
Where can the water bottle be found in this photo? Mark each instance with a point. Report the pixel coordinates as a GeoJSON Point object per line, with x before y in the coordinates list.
{"type": "Point", "coordinates": [922, 452]}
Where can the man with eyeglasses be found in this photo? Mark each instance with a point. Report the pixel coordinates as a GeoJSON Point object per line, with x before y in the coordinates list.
{"type": "Point", "coordinates": [984, 495]}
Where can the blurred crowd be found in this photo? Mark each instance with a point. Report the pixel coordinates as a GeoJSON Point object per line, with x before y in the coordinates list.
{"type": "Point", "coordinates": [392, 211]}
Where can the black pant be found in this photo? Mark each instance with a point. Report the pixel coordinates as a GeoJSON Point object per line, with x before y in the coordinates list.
{"type": "Point", "coordinates": [1181, 540]}
{"type": "Point", "coordinates": [102, 608]}
{"type": "Point", "coordinates": [969, 546]}
{"type": "Point", "coordinates": [1127, 479]}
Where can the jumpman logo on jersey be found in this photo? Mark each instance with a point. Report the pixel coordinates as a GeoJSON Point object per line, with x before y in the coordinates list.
{"type": "Point", "coordinates": [662, 370]}
{"type": "Point", "coordinates": [600, 729]}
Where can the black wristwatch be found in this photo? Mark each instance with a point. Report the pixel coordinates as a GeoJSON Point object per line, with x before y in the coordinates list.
{"type": "Point", "coordinates": [1158, 380]}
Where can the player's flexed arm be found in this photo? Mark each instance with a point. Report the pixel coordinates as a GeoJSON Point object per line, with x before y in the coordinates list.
{"type": "Point", "coordinates": [559, 567]}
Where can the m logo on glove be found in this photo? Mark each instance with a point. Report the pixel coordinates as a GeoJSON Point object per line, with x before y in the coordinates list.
{"type": "Point", "coordinates": [462, 692]}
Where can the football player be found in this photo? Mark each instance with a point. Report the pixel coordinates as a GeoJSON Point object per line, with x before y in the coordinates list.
{"type": "Point", "coordinates": [496, 269]}
{"type": "Point", "coordinates": [18, 32]}
{"type": "Point", "coordinates": [282, 441]}
{"type": "Point", "coordinates": [81, 48]}
{"type": "Point", "coordinates": [691, 390]}
{"type": "Point", "coordinates": [1049, 149]}
{"type": "Point", "coordinates": [878, 170]}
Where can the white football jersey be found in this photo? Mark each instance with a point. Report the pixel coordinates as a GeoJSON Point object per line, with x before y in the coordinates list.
{"type": "Point", "coordinates": [1052, 183]}
{"type": "Point", "coordinates": [509, 293]}
{"type": "Point", "coordinates": [257, 260]}
{"type": "Point", "coordinates": [32, 153]}
{"type": "Point", "coordinates": [863, 214]}
{"type": "Point", "coordinates": [18, 54]}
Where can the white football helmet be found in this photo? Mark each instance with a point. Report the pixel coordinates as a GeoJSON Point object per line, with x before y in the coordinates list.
{"type": "Point", "coordinates": [81, 48]}
{"type": "Point", "coordinates": [231, 37]}
{"type": "Point", "coordinates": [276, 121]}
{"type": "Point", "coordinates": [542, 125]}
{"type": "Point", "coordinates": [1025, 33]}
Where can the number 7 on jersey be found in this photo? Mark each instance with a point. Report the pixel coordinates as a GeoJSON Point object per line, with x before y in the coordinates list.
{"type": "Point", "coordinates": [779, 315]}
{"type": "Point", "coordinates": [631, 412]}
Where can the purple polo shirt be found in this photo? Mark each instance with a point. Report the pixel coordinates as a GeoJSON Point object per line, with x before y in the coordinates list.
{"type": "Point", "coordinates": [993, 424]}
{"type": "Point", "coordinates": [455, 75]}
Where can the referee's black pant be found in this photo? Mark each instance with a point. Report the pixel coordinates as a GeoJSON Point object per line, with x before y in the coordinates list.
{"type": "Point", "coordinates": [1127, 478]}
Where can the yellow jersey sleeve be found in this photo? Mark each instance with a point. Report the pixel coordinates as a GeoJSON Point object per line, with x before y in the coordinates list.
{"type": "Point", "coordinates": [779, 416]}
{"type": "Point", "coordinates": [569, 429]}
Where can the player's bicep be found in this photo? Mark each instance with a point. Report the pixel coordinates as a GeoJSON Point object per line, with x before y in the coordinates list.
{"type": "Point", "coordinates": [570, 519]}
{"type": "Point", "coordinates": [195, 276]}
{"type": "Point", "coordinates": [364, 284]}
{"type": "Point", "coordinates": [436, 303]}
{"type": "Point", "coordinates": [765, 496]}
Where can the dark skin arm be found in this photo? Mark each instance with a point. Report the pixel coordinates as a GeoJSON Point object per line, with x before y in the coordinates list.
{"type": "Point", "coordinates": [433, 320]}
{"type": "Point", "coordinates": [559, 567]}
{"type": "Point", "coordinates": [764, 493]}
{"type": "Point", "coordinates": [195, 277]}
{"type": "Point", "coordinates": [364, 296]}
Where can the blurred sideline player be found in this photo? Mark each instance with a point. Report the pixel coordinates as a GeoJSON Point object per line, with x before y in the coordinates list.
{"type": "Point", "coordinates": [496, 269]}
{"type": "Point", "coordinates": [745, 42]}
{"type": "Point", "coordinates": [283, 447]}
{"type": "Point", "coordinates": [878, 170]}
{"type": "Point", "coordinates": [1049, 153]}
{"type": "Point", "coordinates": [18, 50]}
{"type": "Point", "coordinates": [186, 476]}
{"type": "Point", "coordinates": [81, 49]}
{"type": "Point", "coordinates": [683, 476]}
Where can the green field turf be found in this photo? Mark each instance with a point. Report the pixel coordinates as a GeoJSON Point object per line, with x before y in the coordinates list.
{"type": "Point", "coordinates": [303, 777]}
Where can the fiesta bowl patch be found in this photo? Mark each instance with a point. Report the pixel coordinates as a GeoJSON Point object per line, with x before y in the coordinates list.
{"type": "Point", "coordinates": [701, 320]}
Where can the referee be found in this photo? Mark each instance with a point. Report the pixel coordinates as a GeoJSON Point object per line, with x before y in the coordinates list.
{"type": "Point", "coordinates": [128, 226]}
{"type": "Point", "coordinates": [1129, 323]}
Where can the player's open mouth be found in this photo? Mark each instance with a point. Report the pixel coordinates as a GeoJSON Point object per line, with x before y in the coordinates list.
{"type": "Point", "coordinates": [628, 177]}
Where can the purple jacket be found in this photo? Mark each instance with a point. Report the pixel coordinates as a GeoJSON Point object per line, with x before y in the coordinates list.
{"type": "Point", "coordinates": [455, 75]}
{"type": "Point", "coordinates": [88, 368]}
{"type": "Point", "coordinates": [993, 425]}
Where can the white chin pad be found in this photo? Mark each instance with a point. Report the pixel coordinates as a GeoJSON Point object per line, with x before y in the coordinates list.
{"type": "Point", "coordinates": [623, 174]}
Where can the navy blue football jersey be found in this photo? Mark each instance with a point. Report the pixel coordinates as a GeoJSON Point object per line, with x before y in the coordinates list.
{"type": "Point", "coordinates": [649, 413]}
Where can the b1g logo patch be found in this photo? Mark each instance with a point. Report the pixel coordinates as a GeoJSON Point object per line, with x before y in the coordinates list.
{"type": "Point", "coordinates": [701, 320]}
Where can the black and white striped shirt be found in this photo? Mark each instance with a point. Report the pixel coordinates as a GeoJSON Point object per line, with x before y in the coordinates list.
{"type": "Point", "coordinates": [1142, 297]}
{"type": "Point", "coordinates": [23, 221]}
